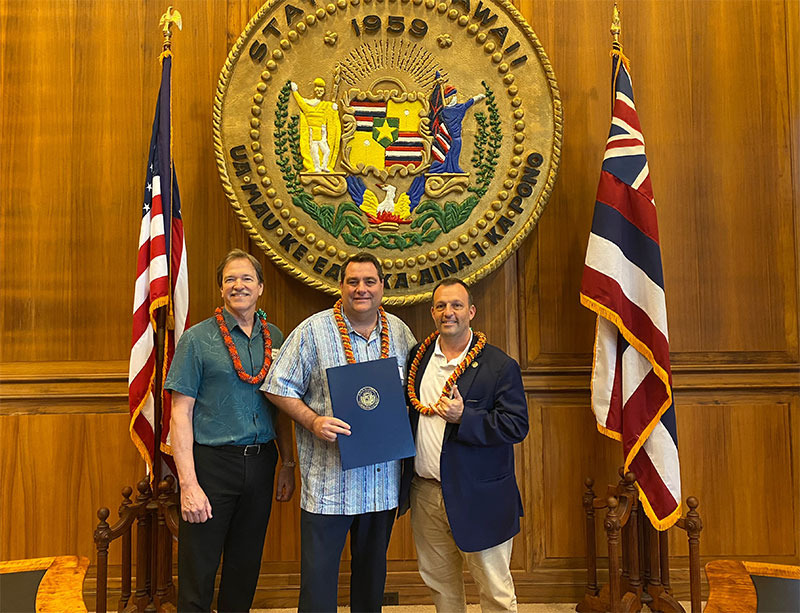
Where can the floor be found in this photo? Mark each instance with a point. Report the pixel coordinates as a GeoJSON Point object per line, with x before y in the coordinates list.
{"type": "Point", "coordinates": [473, 608]}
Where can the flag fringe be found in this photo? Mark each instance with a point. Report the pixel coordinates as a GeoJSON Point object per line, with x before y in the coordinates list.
{"type": "Point", "coordinates": [659, 524]}
{"type": "Point", "coordinates": [137, 440]}
{"type": "Point", "coordinates": [661, 373]}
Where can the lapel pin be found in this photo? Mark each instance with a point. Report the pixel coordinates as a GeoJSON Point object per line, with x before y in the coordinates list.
{"type": "Point", "coordinates": [474, 365]}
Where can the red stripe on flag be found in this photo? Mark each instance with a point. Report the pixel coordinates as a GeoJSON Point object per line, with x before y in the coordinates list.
{"type": "Point", "coordinates": [614, 417]}
{"type": "Point", "coordinates": [618, 143]}
{"type": "Point", "coordinates": [642, 406]}
{"type": "Point", "coordinates": [636, 208]}
{"type": "Point", "coordinates": [627, 114]}
{"type": "Point", "coordinates": [659, 497]}
{"type": "Point", "coordinates": [608, 293]}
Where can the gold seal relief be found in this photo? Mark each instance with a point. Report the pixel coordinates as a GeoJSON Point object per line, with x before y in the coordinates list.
{"type": "Point", "coordinates": [426, 133]}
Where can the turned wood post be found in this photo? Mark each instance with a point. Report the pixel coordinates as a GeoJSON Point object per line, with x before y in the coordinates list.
{"type": "Point", "coordinates": [663, 551]}
{"type": "Point", "coordinates": [624, 537]}
{"type": "Point", "coordinates": [143, 546]}
{"type": "Point", "coordinates": [612, 527]}
{"type": "Point", "coordinates": [102, 536]}
{"type": "Point", "coordinates": [693, 525]}
{"type": "Point", "coordinates": [124, 511]}
{"type": "Point", "coordinates": [164, 551]}
{"type": "Point", "coordinates": [591, 552]}
{"type": "Point", "coordinates": [632, 528]}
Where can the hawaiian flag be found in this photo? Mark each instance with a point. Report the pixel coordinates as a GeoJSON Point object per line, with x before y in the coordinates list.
{"type": "Point", "coordinates": [366, 112]}
{"type": "Point", "coordinates": [623, 283]}
{"type": "Point", "coordinates": [441, 137]}
{"type": "Point", "coordinates": [405, 150]}
{"type": "Point", "coordinates": [161, 281]}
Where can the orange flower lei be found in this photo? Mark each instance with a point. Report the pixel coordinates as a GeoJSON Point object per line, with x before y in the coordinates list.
{"type": "Point", "coordinates": [237, 362]}
{"type": "Point", "coordinates": [448, 385]}
{"type": "Point", "coordinates": [348, 347]}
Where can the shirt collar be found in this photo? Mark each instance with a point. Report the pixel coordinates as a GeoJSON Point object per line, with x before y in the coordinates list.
{"type": "Point", "coordinates": [231, 322]}
{"type": "Point", "coordinates": [437, 350]}
{"type": "Point", "coordinates": [351, 329]}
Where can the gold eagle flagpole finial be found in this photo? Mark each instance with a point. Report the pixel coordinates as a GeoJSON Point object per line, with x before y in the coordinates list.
{"type": "Point", "coordinates": [172, 16]}
{"type": "Point", "coordinates": [616, 25]}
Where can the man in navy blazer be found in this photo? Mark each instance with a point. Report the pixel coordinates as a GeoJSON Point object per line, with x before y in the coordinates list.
{"type": "Point", "coordinates": [467, 409]}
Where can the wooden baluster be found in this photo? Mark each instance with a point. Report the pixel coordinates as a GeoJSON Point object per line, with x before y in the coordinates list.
{"type": "Point", "coordinates": [693, 525]}
{"type": "Point", "coordinates": [591, 552]}
{"type": "Point", "coordinates": [171, 522]}
{"type": "Point", "coordinates": [632, 529]}
{"type": "Point", "coordinates": [164, 551]}
{"type": "Point", "coordinates": [663, 547]}
{"type": "Point", "coordinates": [612, 527]}
{"type": "Point", "coordinates": [143, 546]}
{"type": "Point", "coordinates": [124, 510]}
{"type": "Point", "coordinates": [152, 570]}
{"type": "Point", "coordinates": [593, 599]}
{"type": "Point", "coordinates": [654, 586]}
{"type": "Point", "coordinates": [102, 536]}
{"type": "Point", "coordinates": [644, 553]}
{"type": "Point", "coordinates": [621, 489]}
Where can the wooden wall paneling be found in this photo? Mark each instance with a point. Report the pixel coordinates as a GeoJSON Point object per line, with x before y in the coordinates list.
{"type": "Point", "coordinates": [105, 111]}
{"type": "Point", "coordinates": [738, 458]}
{"type": "Point", "coordinates": [572, 450]}
{"type": "Point", "coordinates": [529, 545]}
{"type": "Point", "coordinates": [29, 128]}
{"type": "Point", "coordinates": [741, 201]}
{"type": "Point", "coordinates": [579, 55]}
{"type": "Point", "coordinates": [793, 78]}
{"type": "Point", "coordinates": [56, 471]}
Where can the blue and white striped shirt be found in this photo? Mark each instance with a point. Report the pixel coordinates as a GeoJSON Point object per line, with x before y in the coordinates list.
{"type": "Point", "coordinates": [299, 371]}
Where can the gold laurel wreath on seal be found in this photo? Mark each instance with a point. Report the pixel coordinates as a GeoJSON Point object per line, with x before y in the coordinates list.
{"type": "Point", "coordinates": [484, 270]}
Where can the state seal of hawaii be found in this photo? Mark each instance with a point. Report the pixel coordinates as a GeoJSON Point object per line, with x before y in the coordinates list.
{"type": "Point", "coordinates": [427, 133]}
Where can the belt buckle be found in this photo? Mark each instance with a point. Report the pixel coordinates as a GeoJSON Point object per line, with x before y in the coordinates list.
{"type": "Point", "coordinates": [252, 449]}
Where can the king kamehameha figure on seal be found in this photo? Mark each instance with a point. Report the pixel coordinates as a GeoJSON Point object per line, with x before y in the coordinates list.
{"type": "Point", "coordinates": [320, 129]}
{"type": "Point", "coordinates": [445, 175]}
{"type": "Point", "coordinates": [446, 117]}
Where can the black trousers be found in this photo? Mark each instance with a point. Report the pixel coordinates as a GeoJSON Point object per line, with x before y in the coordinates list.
{"type": "Point", "coordinates": [322, 539]}
{"type": "Point", "coordinates": [239, 489]}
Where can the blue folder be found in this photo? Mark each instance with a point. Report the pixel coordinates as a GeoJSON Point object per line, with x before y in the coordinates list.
{"type": "Point", "coordinates": [369, 396]}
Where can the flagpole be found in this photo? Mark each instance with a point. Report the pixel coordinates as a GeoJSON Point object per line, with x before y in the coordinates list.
{"type": "Point", "coordinates": [616, 49]}
{"type": "Point", "coordinates": [167, 20]}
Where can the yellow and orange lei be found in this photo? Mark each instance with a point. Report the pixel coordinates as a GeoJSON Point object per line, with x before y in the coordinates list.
{"type": "Point", "coordinates": [345, 336]}
{"type": "Point", "coordinates": [451, 381]}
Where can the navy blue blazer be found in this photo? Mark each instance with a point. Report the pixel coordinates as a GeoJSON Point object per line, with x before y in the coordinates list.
{"type": "Point", "coordinates": [479, 485]}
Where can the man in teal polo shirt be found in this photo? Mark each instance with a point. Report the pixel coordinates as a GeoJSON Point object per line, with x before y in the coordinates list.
{"type": "Point", "coordinates": [224, 434]}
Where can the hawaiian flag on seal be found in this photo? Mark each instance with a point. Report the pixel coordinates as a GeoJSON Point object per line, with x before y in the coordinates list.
{"type": "Point", "coordinates": [623, 283]}
{"type": "Point", "coordinates": [441, 137]}
{"type": "Point", "coordinates": [161, 281]}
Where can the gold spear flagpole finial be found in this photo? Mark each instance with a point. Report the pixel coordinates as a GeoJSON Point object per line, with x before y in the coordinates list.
{"type": "Point", "coordinates": [172, 16]}
{"type": "Point", "coordinates": [616, 25]}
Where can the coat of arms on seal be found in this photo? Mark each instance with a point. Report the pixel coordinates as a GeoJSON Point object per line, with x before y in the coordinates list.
{"type": "Point", "coordinates": [425, 132]}
{"type": "Point", "coordinates": [368, 398]}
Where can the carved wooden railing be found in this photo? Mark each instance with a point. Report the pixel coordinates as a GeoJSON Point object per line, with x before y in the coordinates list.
{"type": "Point", "coordinates": [643, 575]}
{"type": "Point", "coordinates": [156, 519]}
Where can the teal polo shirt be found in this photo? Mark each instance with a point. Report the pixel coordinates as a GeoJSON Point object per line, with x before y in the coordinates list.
{"type": "Point", "coordinates": [227, 410]}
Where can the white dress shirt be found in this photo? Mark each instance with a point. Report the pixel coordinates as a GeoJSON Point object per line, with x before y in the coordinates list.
{"type": "Point", "coordinates": [430, 431]}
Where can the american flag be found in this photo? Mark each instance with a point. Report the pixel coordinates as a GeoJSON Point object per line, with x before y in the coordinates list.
{"type": "Point", "coordinates": [441, 137]}
{"type": "Point", "coordinates": [623, 283]}
{"type": "Point", "coordinates": [161, 281]}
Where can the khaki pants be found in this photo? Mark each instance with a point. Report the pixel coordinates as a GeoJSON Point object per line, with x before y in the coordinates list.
{"type": "Point", "coordinates": [441, 562]}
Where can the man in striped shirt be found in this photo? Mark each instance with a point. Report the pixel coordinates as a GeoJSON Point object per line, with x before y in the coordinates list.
{"type": "Point", "coordinates": [335, 502]}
